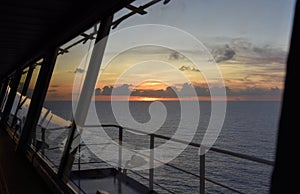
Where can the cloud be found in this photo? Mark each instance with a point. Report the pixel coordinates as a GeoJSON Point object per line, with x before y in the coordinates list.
{"type": "Point", "coordinates": [122, 90]}
{"type": "Point", "coordinates": [153, 93]}
{"type": "Point", "coordinates": [97, 92]}
{"type": "Point", "coordinates": [243, 51]}
{"type": "Point", "coordinates": [175, 56]}
{"type": "Point", "coordinates": [202, 91]}
{"type": "Point", "coordinates": [188, 68]}
{"type": "Point", "coordinates": [188, 90]}
{"type": "Point", "coordinates": [79, 70]}
{"type": "Point", "coordinates": [106, 90]}
{"type": "Point", "coordinates": [223, 54]}
{"type": "Point", "coordinates": [250, 53]}
{"type": "Point", "coordinates": [270, 53]}
{"type": "Point", "coordinates": [54, 95]}
{"type": "Point", "coordinates": [171, 92]}
{"type": "Point", "coordinates": [273, 91]}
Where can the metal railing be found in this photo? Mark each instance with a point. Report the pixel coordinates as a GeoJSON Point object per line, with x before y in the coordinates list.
{"type": "Point", "coordinates": [201, 176]}
{"type": "Point", "coordinates": [152, 136]}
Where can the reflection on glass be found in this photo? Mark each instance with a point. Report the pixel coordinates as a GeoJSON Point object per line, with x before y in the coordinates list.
{"type": "Point", "coordinates": [13, 121]}
{"type": "Point", "coordinates": [22, 100]}
{"type": "Point", "coordinates": [55, 119]}
{"type": "Point", "coordinates": [3, 103]}
{"type": "Point", "coordinates": [251, 56]}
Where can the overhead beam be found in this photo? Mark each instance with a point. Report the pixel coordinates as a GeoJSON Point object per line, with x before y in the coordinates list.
{"type": "Point", "coordinates": [136, 9]}
{"type": "Point", "coordinates": [69, 28]}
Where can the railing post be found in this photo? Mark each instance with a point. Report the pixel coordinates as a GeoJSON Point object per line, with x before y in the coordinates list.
{"type": "Point", "coordinates": [202, 170]}
{"type": "Point", "coordinates": [120, 148]}
{"type": "Point", "coordinates": [151, 163]}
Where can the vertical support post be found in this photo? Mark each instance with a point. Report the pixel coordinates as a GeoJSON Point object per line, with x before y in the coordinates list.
{"type": "Point", "coordinates": [120, 158]}
{"type": "Point", "coordinates": [37, 99]}
{"type": "Point", "coordinates": [120, 148]}
{"type": "Point", "coordinates": [202, 170]}
{"type": "Point", "coordinates": [23, 93]}
{"type": "Point", "coordinates": [3, 91]}
{"type": "Point", "coordinates": [86, 95]}
{"type": "Point", "coordinates": [286, 162]}
{"type": "Point", "coordinates": [11, 97]}
{"type": "Point", "coordinates": [89, 84]}
{"type": "Point", "coordinates": [151, 163]}
{"type": "Point", "coordinates": [27, 80]}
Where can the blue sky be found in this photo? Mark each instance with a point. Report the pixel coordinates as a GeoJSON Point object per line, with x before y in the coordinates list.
{"type": "Point", "coordinates": [260, 21]}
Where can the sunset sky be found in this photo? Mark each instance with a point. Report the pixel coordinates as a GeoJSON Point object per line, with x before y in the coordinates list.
{"type": "Point", "coordinates": [248, 39]}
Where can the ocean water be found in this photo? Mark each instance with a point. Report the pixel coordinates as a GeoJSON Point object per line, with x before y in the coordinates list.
{"type": "Point", "coordinates": [249, 128]}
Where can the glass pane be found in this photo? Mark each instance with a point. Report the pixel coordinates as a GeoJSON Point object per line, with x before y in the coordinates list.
{"type": "Point", "coordinates": [249, 48]}
{"type": "Point", "coordinates": [22, 101]}
{"type": "Point", "coordinates": [55, 120]}
{"type": "Point", "coordinates": [17, 101]}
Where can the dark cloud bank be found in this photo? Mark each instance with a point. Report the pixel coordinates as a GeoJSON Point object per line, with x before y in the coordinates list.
{"type": "Point", "coordinates": [185, 91]}
{"type": "Point", "coordinates": [246, 52]}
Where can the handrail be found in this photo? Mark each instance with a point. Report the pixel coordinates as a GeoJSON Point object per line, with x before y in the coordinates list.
{"type": "Point", "coordinates": [170, 165]}
{"type": "Point", "coordinates": [219, 150]}
{"type": "Point", "coordinates": [151, 171]}
{"type": "Point", "coordinates": [201, 177]}
{"type": "Point", "coordinates": [243, 156]}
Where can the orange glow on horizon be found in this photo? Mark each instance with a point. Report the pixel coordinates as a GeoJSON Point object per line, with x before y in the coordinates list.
{"type": "Point", "coordinates": [200, 98]}
{"type": "Point", "coordinates": [151, 85]}
{"type": "Point", "coordinates": [152, 99]}
{"type": "Point", "coordinates": [148, 99]}
{"type": "Point", "coordinates": [133, 98]}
